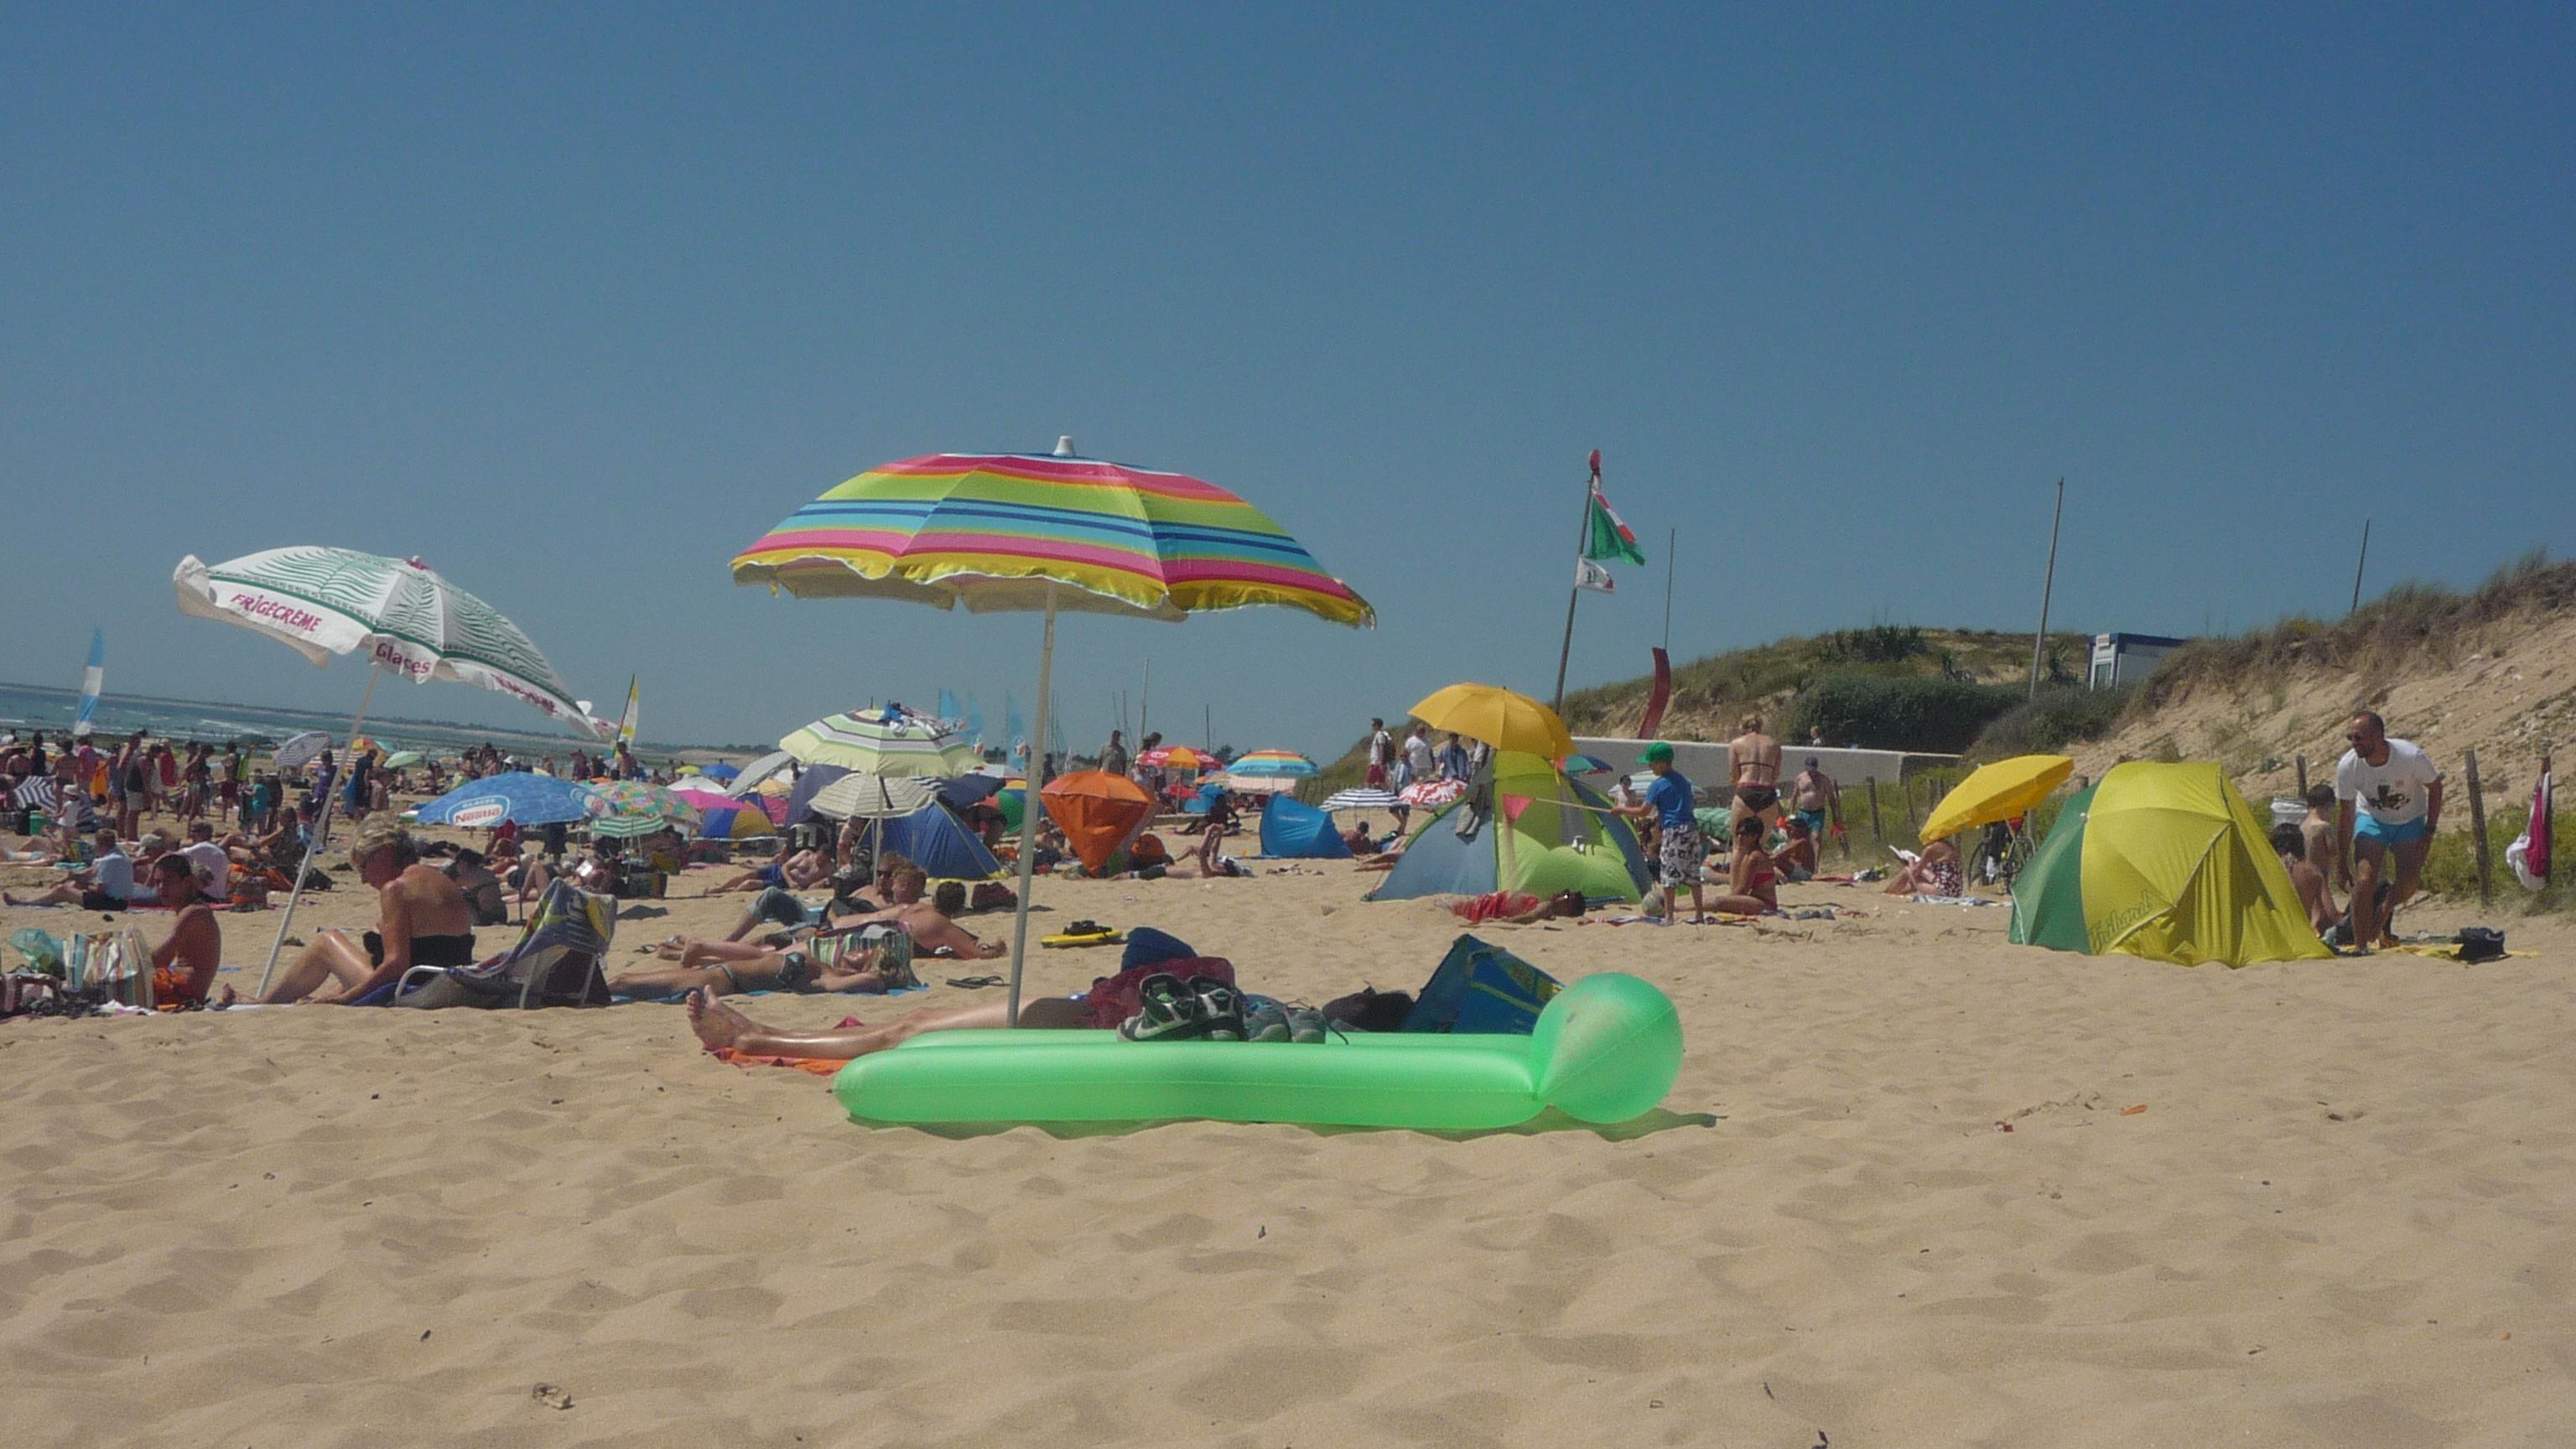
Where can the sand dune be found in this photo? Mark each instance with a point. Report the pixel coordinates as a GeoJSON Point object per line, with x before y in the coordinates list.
{"type": "Point", "coordinates": [2341, 1218]}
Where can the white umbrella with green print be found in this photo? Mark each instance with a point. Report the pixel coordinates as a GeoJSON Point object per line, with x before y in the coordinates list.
{"type": "Point", "coordinates": [402, 616]}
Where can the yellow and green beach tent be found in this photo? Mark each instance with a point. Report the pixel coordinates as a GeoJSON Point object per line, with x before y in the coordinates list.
{"type": "Point", "coordinates": [2168, 862]}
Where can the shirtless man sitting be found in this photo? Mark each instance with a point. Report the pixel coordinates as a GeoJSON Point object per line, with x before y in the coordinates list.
{"type": "Point", "coordinates": [1753, 759]}
{"type": "Point", "coordinates": [422, 920]}
{"type": "Point", "coordinates": [184, 966]}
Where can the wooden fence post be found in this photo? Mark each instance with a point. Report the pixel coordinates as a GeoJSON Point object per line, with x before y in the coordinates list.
{"type": "Point", "coordinates": [1910, 817]}
{"type": "Point", "coordinates": [2478, 827]}
{"type": "Point", "coordinates": [2303, 779]}
{"type": "Point", "coordinates": [1876, 832]}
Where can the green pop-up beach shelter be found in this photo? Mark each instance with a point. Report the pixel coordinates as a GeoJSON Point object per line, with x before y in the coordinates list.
{"type": "Point", "coordinates": [2168, 862]}
{"type": "Point", "coordinates": [1537, 830]}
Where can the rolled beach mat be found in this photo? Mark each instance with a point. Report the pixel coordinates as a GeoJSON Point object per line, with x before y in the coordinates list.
{"type": "Point", "coordinates": [1605, 1050]}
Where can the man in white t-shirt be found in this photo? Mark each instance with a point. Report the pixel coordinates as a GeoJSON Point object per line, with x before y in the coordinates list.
{"type": "Point", "coordinates": [1420, 763]}
{"type": "Point", "coordinates": [1381, 756]}
{"type": "Point", "coordinates": [208, 861]}
{"type": "Point", "coordinates": [2388, 802]}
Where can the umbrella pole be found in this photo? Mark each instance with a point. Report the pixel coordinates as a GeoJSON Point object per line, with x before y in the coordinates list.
{"type": "Point", "coordinates": [1029, 807]}
{"type": "Point", "coordinates": [321, 827]}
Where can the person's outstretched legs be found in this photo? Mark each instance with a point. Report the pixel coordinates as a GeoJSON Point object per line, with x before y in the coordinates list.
{"type": "Point", "coordinates": [719, 1025]}
{"type": "Point", "coordinates": [332, 957]}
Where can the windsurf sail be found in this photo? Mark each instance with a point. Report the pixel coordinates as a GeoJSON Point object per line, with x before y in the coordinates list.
{"type": "Point", "coordinates": [626, 722]}
{"type": "Point", "coordinates": [949, 713]}
{"type": "Point", "coordinates": [91, 678]}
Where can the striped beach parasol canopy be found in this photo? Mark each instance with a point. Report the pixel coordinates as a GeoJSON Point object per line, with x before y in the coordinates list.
{"type": "Point", "coordinates": [1362, 798]}
{"type": "Point", "coordinates": [1003, 531]}
{"type": "Point", "coordinates": [867, 741]}
{"type": "Point", "coordinates": [1043, 533]}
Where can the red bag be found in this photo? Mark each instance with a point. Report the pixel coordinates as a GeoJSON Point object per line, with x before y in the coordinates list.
{"type": "Point", "coordinates": [1113, 999]}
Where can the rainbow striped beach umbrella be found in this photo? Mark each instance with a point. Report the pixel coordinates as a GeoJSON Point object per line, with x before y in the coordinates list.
{"type": "Point", "coordinates": [1003, 532]}
{"type": "Point", "coordinates": [1000, 532]}
{"type": "Point", "coordinates": [1272, 764]}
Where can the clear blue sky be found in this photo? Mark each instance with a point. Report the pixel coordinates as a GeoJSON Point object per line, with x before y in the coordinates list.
{"type": "Point", "coordinates": [577, 301]}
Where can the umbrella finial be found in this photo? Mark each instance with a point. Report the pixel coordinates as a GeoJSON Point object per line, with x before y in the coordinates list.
{"type": "Point", "coordinates": [1064, 445]}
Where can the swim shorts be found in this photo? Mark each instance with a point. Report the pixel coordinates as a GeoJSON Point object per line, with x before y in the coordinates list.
{"type": "Point", "coordinates": [1680, 854]}
{"type": "Point", "coordinates": [1815, 822]}
{"type": "Point", "coordinates": [2404, 832]}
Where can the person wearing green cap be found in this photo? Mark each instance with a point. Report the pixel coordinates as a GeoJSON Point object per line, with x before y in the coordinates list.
{"type": "Point", "coordinates": [1669, 800]}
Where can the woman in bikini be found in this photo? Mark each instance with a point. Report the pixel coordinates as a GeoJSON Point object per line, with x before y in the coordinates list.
{"type": "Point", "coordinates": [1752, 881]}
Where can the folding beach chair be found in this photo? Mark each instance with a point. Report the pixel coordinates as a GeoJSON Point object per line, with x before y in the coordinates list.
{"type": "Point", "coordinates": [556, 962]}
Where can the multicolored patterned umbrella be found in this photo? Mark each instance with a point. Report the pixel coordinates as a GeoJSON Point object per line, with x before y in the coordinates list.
{"type": "Point", "coordinates": [1431, 794]}
{"type": "Point", "coordinates": [625, 808]}
{"type": "Point", "coordinates": [1001, 532]}
{"type": "Point", "coordinates": [866, 741]}
{"type": "Point", "coordinates": [1361, 799]}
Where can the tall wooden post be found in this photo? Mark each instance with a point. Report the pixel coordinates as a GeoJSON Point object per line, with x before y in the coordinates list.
{"type": "Point", "coordinates": [2478, 827]}
{"type": "Point", "coordinates": [1876, 832]}
{"type": "Point", "coordinates": [2047, 586]}
{"type": "Point", "coordinates": [2303, 779]}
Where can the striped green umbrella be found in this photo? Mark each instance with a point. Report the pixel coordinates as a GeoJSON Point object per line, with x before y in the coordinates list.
{"type": "Point", "coordinates": [878, 742]}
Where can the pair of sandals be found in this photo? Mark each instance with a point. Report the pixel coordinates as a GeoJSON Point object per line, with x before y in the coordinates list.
{"type": "Point", "coordinates": [1171, 1009]}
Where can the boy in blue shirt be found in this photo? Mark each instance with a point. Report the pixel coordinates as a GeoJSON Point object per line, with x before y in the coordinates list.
{"type": "Point", "coordinates": [1669, 800]}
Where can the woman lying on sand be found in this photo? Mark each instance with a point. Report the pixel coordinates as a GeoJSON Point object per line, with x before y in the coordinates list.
{"type": "Point", "coordinates": [723, 967]}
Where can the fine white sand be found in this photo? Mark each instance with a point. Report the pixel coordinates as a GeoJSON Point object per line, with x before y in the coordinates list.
{"type": "Point", "coordinates": [2342, 1217]}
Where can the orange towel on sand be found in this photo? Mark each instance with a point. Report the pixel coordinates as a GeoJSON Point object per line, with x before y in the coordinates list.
{"type": "Point", "coordinates": [819, 1066]}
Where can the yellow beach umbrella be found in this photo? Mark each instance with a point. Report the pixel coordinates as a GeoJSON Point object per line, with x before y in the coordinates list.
{"type": "Point", "coordinates": [1998, 791]}
{"type": "Point", "coordinates": [1499, 717]}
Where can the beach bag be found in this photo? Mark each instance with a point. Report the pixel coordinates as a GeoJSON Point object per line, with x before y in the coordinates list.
{"type": "Point", "coordinates": [44, 954]}
{"type": "Point", "coordinates": [2480, 943]}
{"type": "Point", "coordinates": [112, 966]}
{"type": "Point", "coordinates": [1479, 988]}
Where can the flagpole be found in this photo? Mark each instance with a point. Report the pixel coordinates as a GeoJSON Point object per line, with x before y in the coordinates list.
{"type": "Point", "coordinates": [1672, 541]}
{"type": "Point", "coordinates": [1574, 593]}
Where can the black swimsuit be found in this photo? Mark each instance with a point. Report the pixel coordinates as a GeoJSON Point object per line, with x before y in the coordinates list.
{"type": "Point", "coordinates": [428, 950]}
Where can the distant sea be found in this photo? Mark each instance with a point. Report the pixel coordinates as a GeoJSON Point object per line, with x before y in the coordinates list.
{"type": "Point", "coordinates": [26, 707]}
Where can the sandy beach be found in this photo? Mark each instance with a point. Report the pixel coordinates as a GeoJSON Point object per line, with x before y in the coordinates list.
{"type": "Point", "coordinates": [2315, 1204]}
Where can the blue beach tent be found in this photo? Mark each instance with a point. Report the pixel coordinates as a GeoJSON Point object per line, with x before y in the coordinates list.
{"type": "Point", "coordinates": [1300, 832]}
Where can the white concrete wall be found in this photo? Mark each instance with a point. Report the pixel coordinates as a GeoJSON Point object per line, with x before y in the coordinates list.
{"type": "Point", "coordinates": [1706, 764]}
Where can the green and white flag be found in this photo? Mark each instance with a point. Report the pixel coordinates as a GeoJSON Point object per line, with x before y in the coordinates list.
{"type": "Point", "coordinates": [1608, 537]}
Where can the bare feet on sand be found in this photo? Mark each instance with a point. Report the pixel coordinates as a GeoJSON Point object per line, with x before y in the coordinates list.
{"type": "Point", "coordinates": [718, 1026]}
